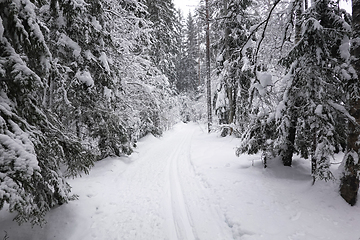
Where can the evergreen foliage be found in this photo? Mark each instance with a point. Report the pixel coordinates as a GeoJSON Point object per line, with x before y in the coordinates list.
{"type": "Point", "coordinates": [315, 88]}
{"type": "Point", "coordinates": [32, 143]}
{"type": "Point", "coordinates": [76, 86]}
{"type": "Point", "coordinates": [188, 79]}
{"type": "Point", "coordinates": [84, 80]}
{"type": "Point", "coordinates": [313, 94]}
{"type": "Point", "coordinates": [350, 167]}
{"type": "Point", "coordinates": [234, 66]}
{"type": "Point", "coordinates": [163, 50]}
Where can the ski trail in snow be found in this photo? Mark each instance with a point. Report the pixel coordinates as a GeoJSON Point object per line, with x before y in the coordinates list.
{"type": "Point", "coordinates": [189, 185]}
{"type": "Point", "coordinates": [193, 210]}
{"type": "Point", "coordinates": [156, 194]}
{"type": "Point", "coordinates": [182, 226]}
{"type": "Point", "coordinates": [163, 197]}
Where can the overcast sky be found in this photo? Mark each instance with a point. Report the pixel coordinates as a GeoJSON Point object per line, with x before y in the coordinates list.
{"type": "Point", "coordinates": [186, 5]}
{"type": "Point", "coordinates": [189, 5]}
{"type": "Point", "coordinates": [346, 4]}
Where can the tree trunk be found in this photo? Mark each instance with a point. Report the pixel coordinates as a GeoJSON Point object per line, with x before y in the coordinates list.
{"type": "Point", "coordinates": [208, 82]}
{"type": "Point", "coordinates": [230, 82]}
{"type": "Point", "coordinates": [290, 141]}
{"type": "Point", "coordinates": [349, 184]}
{"type": "Point", "coordinates": [298, 15]}
{"type": "Point", "coordinates": [313, 158]}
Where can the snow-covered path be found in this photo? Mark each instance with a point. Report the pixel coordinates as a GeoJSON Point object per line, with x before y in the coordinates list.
{"type": "Point", "coordinates": [160, 196]}
{"type": "Point", "coordinates": [189, 185]}
{"type": "Point", "coordinates": [154, 194]}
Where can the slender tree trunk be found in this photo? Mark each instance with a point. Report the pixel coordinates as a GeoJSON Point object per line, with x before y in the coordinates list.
{"type": "Point", "coordinates": [208, 82]}
{"type": "Point", "coordinates": [314, 140]}
{"type": "Point", "coordinates": [349, 184]}
{"type": "Point", "coordinates": [313, 159]}
{"type": "Point", "coordinates": [199, 61]}
{"type": "Point", "coordinates": [290, 139]}
{"type": "Point", "coordinates": [306, 4]}
{"type": "Point", "coordinates": [298, 15]}
{"type": "Point", "coordinates": [229, 86]}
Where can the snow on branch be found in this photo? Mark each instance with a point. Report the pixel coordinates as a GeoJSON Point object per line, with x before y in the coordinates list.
{"type": "Point", "coordinates": [342, 110]}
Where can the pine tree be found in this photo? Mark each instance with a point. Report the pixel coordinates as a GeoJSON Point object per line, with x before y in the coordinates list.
{"type": "Point", "coordinates": [234, 71]}
{"type": "Point", "coordinates": [349, 184]}
{"type": "Point", "coordinates": [314, 89]}
{"type": "Point", "coordinates": [188, 82]}
{"type": "Point", "coordinates": [313, 93]}
{"type": "Point", "coordinates": [163, 50]}
{"type": "Point", "coordinates": [76, 86]}
{"type": "Point", "coordinates": [33, 143]}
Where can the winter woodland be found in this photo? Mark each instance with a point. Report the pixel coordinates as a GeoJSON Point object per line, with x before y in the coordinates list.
{"type": "Point", "coordinates": [84, 80]}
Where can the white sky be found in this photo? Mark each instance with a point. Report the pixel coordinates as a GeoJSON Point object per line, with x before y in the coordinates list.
{"type": "Point", "coordinates": [189, 5]}
{"type": "Point", "coordinates": [346, 4]}
{"type": "Point", "coordinates": [186, 5]}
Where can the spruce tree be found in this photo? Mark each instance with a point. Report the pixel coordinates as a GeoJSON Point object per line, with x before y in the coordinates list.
{"type": "Point", "coordinates": [188, 80]}
{"type": "Point", "coordinates": [313, 93]}
{"type": "Point", "coordinates": [234, 63]}
{"type": "Point", "coordinates": [315, 88]}
{"type": "Point", "coordinates": [33, 142]}
{"type": "Point", "coordinates": [349, 184]}
{"type": "Point", "coordinates": [162, 14]}
{"type": "Point", "coordinates": [76, 86]}
{"type": "Point", "coordinates": [180, 57]}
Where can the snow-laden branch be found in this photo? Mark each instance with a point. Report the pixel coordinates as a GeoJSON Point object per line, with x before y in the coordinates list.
{"type": "Point", "coordinates": [342, 110]}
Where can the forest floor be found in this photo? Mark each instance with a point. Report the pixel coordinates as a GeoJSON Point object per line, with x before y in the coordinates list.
{"type": "Point", "coordinates": [190, 185]}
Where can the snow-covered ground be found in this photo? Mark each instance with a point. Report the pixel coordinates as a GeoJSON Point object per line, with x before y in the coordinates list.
{"type": "Point", "coordinates": [189, 185]}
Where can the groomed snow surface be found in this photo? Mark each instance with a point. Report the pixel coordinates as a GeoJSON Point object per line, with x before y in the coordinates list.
{"type": "Point", "coordinates": [189, 185]}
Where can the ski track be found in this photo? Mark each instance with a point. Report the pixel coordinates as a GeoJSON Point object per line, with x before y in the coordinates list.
{"type": "Point", "coordinates": [155, 194]}
{"type": "Point", "coordinates": [163, 198]}
{"type": "Point", "coordinates": [188, 185]}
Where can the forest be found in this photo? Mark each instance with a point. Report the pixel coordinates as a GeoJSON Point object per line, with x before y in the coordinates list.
{"type": "Point", "coordinates": [81, 80]}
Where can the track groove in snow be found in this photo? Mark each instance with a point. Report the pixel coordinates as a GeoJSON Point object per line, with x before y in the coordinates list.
{"type": "Point", "coordinates": [189, 185]}
{"type": "Point", "coordinates": [182, 221]}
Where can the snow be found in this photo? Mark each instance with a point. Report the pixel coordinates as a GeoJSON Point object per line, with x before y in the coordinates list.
{"type": "Point", "coordinates": [279, 110]}
{"type": "Point", "coordinates": [85, 77]}
{"type": "Point", "coordinates": [221, 99]}
{"type": "Point", "coordinates": [345, 48]}
{"type": "Point", "coordinates": [66, 41]}
{"type": "Point", "coordinates": [89, 55]}
{"type": "Point", "coordinates": [107, 93]}
{"type": "Point", "coordinates": [1, 28]}
{"type": "Point", "coordinates": [19, 69]}
{"type": "Point", "coordinates": [345, 74]}
{"type": "Point", "coordinates": [104, 60]}
{"type": "Point", "coordinates": [190, 185]}
{"type": "Point", "coordinates": [239, 19]}
{"type": "Point", "coordinates": [81, 4]}
{"type": "Point", "coordinates": [319, 110]}
{"type": "Point", "coordinates": [95, 23]}
{"type": "Point", "coordinates": [317, 25]}
{"type": "Point", "coordinates": [265, 80]}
